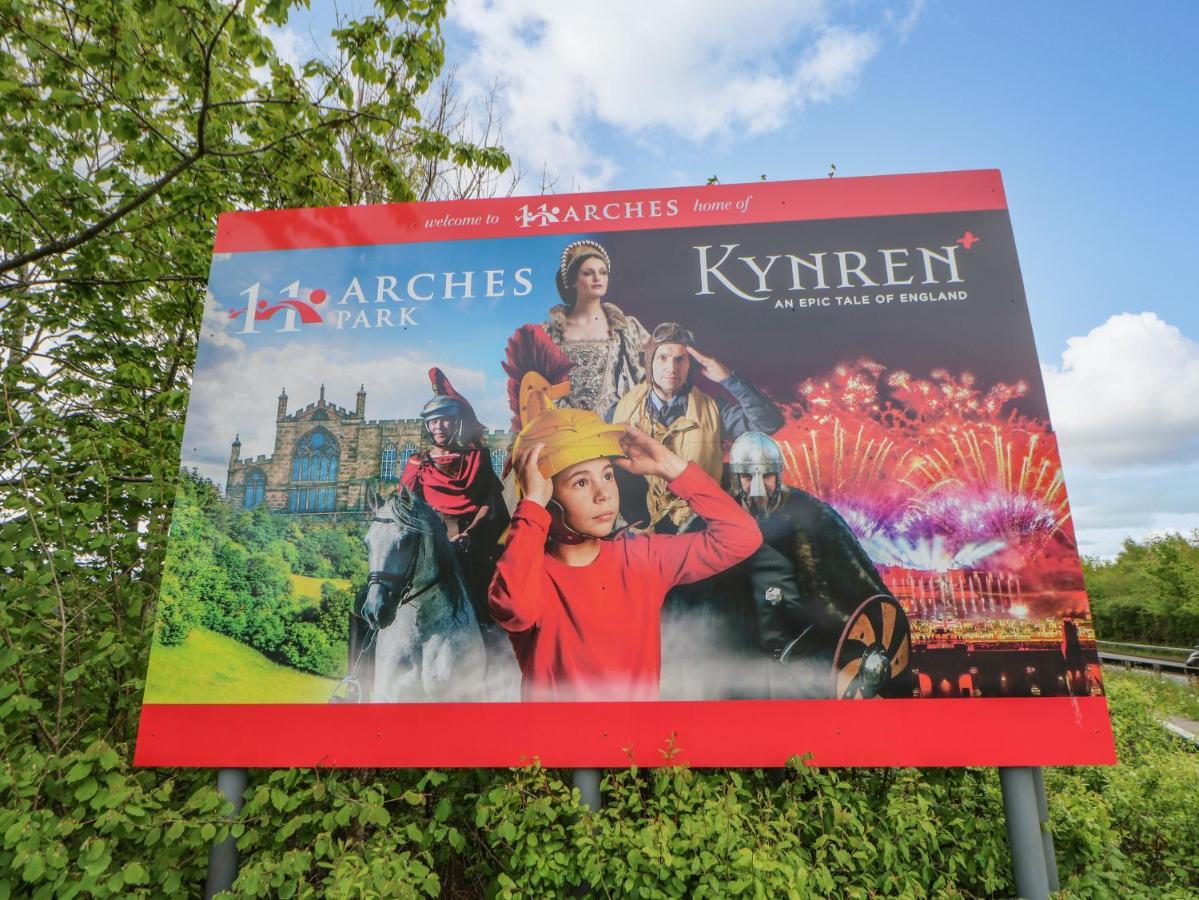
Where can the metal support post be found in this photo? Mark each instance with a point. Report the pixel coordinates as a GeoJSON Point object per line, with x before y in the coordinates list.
{"type": "Point", "coordinates": [1046, 834]}
{"type": "Point", "coordinates": [222, 860]}
{"type": "Point", "coordinates": [588, 783]}
{"type": "Point", "coordinates": [1024, 831]}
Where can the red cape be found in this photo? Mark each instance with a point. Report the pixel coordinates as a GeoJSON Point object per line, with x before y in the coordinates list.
{"type": "Point", "coordinates": [457, 494]}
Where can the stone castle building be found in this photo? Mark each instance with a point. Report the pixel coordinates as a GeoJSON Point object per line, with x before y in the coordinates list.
{"type": "Point", "coordinates": [325, 456]}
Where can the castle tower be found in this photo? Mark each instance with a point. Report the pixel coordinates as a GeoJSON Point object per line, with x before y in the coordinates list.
{"type": "Point", "coordinates": [360, 407]}
{"type": "Point", "coordinates": [321, 401]}
{"type": "Point", "coordinates": [282, 413]}
{"type": "Point", "coordinates": [234, 452]}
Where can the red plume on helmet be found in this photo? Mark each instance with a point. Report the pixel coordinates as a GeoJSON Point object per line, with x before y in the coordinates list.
{"type": "Point", "coordinates": [472, 431]}
{"type": "Point", "coordinates": [530, 349]}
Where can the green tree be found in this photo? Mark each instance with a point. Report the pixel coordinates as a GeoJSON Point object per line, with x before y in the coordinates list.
{"type": "Point", "coordinates": [127, 127]}
{"type": "Point", "coordinates": [1149, 593]}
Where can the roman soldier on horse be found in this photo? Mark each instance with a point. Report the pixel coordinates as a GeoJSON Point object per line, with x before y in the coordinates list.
{"type": "Point", "coordinates": [456, 478]}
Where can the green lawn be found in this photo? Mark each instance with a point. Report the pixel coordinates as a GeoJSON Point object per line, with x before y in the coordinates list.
{"type": "Point", "coordinates": [211, 668]}
{"type": "Point", "coordinates": [307, 588]}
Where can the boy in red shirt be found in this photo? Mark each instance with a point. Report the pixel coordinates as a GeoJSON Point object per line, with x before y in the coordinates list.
{"type": "Point", "coordinates": [583, 608]}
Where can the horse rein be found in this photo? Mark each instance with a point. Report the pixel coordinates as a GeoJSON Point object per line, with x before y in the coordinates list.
{"type": "Point", "coordinates": [392, 582]}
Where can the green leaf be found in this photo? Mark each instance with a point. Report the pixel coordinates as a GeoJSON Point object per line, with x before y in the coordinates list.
{"type": "Point", "coordinates": [134, 873]}
{"type": "Point", "coordinates": [33, 869]}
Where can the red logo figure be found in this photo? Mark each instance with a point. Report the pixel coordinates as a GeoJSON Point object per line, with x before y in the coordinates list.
{"type": "Point", "coordinates": [968, 240]}
{"type": "Point", "coordinates": [260, 310]}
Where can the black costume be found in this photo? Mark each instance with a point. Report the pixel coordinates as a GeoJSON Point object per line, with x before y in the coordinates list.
{"type": "Point", "coordinates": [808, 573]}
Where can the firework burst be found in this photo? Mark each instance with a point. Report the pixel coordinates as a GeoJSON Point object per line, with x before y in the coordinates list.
{"type": "Point", "coordinates": [926, 467]}
{"type": "Point", "coordinates": [988, 483]}
{"type": "Point", "coordinates": [860, 471]}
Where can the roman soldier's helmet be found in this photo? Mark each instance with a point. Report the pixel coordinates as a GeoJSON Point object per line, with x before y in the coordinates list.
{"type": "Point", "coordinates": [443, 407]}
{"type": "Point", "coordinates": [755, 454]}
{"type": "Point", "coordinates": [447, 403]}
{"type": "Point", "coordinates": [567, 435]}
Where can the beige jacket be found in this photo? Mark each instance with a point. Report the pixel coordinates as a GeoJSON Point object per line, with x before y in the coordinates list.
{"type": "Point", "coordinates": [695, 436]}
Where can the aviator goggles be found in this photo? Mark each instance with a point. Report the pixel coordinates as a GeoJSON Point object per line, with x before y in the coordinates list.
{"type": "Point", "coordinates": [673, 333]}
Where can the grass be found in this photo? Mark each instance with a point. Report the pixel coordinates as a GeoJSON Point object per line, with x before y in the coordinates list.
{"type": "Point", "coordinates": [1164, 696]}
{"type": "Point", "coordinates": [308, 588]}
{"type": "Point", "coordinates": [211, 668]}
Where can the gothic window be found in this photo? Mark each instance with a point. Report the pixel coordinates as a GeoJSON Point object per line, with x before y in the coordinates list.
{"type": "Point", "coordinates": [498, 457]}
{"type": "Point", "coordinates": [255, 489]}
{"type": "Point", "coordinates": [311, 499]}
{"type": "Point", "coordinates": [314, 460]}
{"type": "Point", "coordinates": [405, 454]}
{"type": "Point", "coordinates": [387, 467]}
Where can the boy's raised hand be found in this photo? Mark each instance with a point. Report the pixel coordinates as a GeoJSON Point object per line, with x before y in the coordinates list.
{"type": "Point", "coordinates": [645, 456]}
{"type": "Point", "coordinates": [533, 484]}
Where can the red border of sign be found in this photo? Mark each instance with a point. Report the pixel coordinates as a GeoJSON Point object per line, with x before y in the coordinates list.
{"type": "Point", "coordinates": [781, 201]}
{"type": "Point", "coordinates": [928, 732]}
{"type": "Point", "coordinates": [1018, 731]}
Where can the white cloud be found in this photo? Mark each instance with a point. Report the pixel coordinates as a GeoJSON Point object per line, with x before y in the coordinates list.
{"type": "Point", "coordinates": [699, 70]}
{"type": "Point", "coordinates": [833, 64]}
{"type": "Point", "coordinates": [1125, 394]}
{"type": "Point", "coordinates": [1110, 506]}
{"type": "Point", "coordinates": [1123, 402]}
{"type": "Point", "coordinates": [905, 23]}
{"type": "Point", "coordinates": [287, 43]}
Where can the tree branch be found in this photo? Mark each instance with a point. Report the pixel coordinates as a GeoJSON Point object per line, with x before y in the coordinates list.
{"type": "Point", "coordinates": [150, 191]}
{"type": "Point", "coordinates": [70, 243]}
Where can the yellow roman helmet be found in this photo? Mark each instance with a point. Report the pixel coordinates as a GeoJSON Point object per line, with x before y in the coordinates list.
{"type": "Point", "coordinates": [568, 435]}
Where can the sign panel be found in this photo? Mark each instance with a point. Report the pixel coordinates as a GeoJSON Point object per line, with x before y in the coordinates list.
{"type": "Point", "coordinates": [713, 475]}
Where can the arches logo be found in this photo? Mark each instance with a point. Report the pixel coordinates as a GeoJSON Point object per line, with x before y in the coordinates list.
{"type": "Point", "coordinates": [612, 211]}
{"type": "Point", "coordinates": [295, 311]}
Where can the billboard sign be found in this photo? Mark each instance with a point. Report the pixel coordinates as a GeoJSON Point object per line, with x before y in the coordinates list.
{"type": "Point", "coordinates": [717, 475]}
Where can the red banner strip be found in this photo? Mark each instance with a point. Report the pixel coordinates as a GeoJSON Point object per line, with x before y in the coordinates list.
{"type": "Point", "coordinates": [1032, 731]}
{"type": "Point", "coordinates": [683, 207]}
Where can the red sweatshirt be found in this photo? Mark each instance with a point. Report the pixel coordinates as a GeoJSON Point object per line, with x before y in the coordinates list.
{"type": "Point", "coordinates": [593, 632]}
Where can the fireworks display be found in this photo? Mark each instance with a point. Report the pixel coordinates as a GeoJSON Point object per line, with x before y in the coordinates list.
{"type": "Point", "coordinates": [948, 490]}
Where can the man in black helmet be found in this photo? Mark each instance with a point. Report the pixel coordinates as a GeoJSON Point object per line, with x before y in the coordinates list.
{"type": "Point", "coordinates": [810, 583]}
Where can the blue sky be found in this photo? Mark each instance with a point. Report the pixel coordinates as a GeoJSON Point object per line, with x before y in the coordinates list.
{"type": "Point", "coordinates": [1089, 110]}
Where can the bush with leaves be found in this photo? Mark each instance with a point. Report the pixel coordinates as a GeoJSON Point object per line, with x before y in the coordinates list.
{"type": "Point", "coordinates": [230, 574]}
{"type": "Point", "coordinates": [106, 830]}
{"type": "Point", "coordinates": [331, 550]}
{"type": "Point", "coordinates": [1148, 594]}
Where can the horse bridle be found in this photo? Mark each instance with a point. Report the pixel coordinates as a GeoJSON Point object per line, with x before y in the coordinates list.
{"type": "Point", "coordinates": [394, 582]}
{"type": "Point", "coordinates": [390, 583]}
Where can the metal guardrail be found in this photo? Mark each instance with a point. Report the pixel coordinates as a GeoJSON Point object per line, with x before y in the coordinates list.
{"type": "Point", "coordinates": [1156, 664]}
{"type": "Point", "coordinates": [1183, 728]}
{"type": "Point", "coordinates": [1183, 650]}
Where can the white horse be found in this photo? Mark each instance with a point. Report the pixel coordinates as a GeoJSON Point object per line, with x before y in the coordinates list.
{"type": "Point", "coordinates": [427, 646]}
